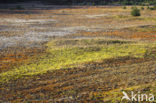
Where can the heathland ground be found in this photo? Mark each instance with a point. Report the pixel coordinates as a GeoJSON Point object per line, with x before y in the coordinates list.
{"type": "Point", "coordinates": [79, 54]}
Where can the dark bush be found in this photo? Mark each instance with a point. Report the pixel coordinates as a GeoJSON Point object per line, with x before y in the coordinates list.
{"type": "Point", "coordinates": [142, 8]}
{"type": "Point", "coordinates": [135, 12]}
{"type": "Point", "coordinates": [148, 7]}
{"type": "Point", "coordinates": [153, 8]}
{"type": "Point", "coordinates": [133, 7]}
{"type": "Point", "coordinates": [124, 7]}
{"type": "Point", "coordinates": [19, 7]}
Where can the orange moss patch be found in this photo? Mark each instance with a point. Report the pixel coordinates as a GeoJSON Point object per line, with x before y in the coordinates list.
{"type": "Point", "coordinates": [15, 58]}
{"type": "Point", "coordinates": [119, 34]}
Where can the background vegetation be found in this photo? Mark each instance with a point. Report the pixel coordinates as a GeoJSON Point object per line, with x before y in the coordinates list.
{"type": "Point", "coordinates": [89, 2]}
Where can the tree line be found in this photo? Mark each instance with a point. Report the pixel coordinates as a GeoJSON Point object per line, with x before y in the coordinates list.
{"type": "Point", "coordinates": [89, 2]}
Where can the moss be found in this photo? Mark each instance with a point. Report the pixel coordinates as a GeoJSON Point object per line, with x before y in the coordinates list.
{"type": "Point", "coordinates": [69, 56]}
{"type": "Point", "coordinates": [116, 94]}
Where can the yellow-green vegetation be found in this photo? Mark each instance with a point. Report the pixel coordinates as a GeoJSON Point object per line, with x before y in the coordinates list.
{"type": "Point", "coordinates": [116, 94]}
{"type": "Point", "coordinates": [131, 18]}
{"type": "Point", "coordinates": [70, 53]}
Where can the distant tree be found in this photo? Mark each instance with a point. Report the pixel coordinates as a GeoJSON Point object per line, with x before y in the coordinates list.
{"type": "Point", "coordinates": [19, 7]}
{"type": "Point", "coordinates": [95, 2]}
{"type": "Point", "coordinates": [135, 12]}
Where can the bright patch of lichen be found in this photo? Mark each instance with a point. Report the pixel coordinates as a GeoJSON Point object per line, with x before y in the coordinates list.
{"type": "Point", "coordinates": [66, 55]}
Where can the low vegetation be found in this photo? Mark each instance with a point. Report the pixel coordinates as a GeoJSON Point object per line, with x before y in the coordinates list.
{"type": "Point", "coordinates": [106, 51]}
{"type": "Point", "coordinates": [124, 7]}
{"type": "Point", "coordinates": [19, 7]}
{"type": "Point", "coordinates": [69, 53]}
{"type": "Point", "coordinates": [153, 8]}
{"type": "Point", "coordinates": [135, 12]}
{"type": "Point", "coordinates": [93, 81]}
{"type": "Point", "coordinates": [142, 8]}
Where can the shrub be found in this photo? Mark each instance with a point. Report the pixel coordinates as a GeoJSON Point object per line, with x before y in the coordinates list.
{"type": "Point", "coordinates": [19, 7]}
{"type": "Point", "coordinates": [153, 8]}
{"type": "Point", "coordinates": [148, 7]}
{"type": "Point", "coordinates": [143, 4]}
{"type": "Point", "coordinates": [133, 7]}
{"type": "Point", "coordinates": [135, 12]}
{"type": "Point", "coordinates": [124, 7]}
{"type": "Point", "coordinates": [142, 8]}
